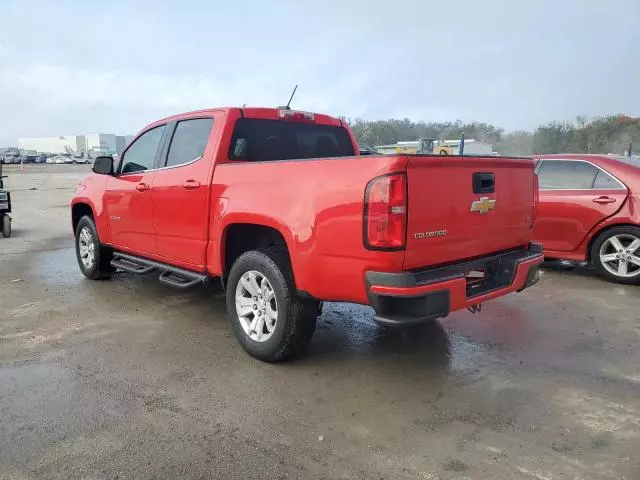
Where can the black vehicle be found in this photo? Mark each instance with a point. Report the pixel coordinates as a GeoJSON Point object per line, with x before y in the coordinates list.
{"type": "Point", "coordinates": [364, 150]}
{"type": "Point", "coordinates": [5, 208]}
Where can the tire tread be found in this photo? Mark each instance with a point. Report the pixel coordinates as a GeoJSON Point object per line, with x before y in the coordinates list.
{"type": "Point", "coordinates": [103, 269]}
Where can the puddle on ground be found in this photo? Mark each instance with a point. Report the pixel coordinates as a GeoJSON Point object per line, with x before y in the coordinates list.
{"type": "Point", "coordinates": [348, 330]}
{"type": "Point", "coordinates": [343, 330]}
{"type": "Point", "coordinates": [55, 267]}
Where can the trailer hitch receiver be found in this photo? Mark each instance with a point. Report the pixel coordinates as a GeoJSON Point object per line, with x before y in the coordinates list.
{"type": "Point", "coordinates": [475, 308]}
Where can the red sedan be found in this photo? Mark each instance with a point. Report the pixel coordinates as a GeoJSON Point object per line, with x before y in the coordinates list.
{"type": "Point", "coordinates": [589, 211]}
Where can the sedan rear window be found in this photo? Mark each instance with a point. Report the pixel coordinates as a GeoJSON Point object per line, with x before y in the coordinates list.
{"type": "Point", "coordinates": [259, 140]}
{"type": "Point", "coordinates": [604, 181]}
{"type": "Point", "coordinates": [566, 175]}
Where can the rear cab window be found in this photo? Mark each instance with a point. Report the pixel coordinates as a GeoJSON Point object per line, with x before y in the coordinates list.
{"type": "Point", "coordinates": [263, 140]}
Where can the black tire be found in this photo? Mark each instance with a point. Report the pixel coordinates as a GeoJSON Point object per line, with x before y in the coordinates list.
{"type": "Point", "coordinates": [101, 266]}
{"type": "Point", "coordinates": [6, 226]}
{"type": "Point", "coordinates": [628, 231]}
{"type": "Point", "coordinates": [296, 319]}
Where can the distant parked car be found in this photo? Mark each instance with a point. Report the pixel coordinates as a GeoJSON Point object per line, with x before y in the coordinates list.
{"type": "Point", "coordinates": [84, 160]}
{"type": "Point", "coordinates": [588, 212]}
{"type": "Point", "coordinates": [59, 159]}
{"type": "Point", "coordinates": [364, 150]}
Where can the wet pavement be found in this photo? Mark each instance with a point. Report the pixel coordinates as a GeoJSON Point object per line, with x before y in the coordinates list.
{"type": "Point", "coordinates": [130, 379]}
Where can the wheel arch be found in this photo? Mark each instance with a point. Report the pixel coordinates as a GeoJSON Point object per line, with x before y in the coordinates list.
{"type": "Point", "coordinates": [240, 237]}
{"type": "Point", "coordinates": [79, 210]}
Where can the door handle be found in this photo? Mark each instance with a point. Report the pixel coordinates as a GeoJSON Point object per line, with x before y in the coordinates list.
{"type": "Point", "coordinates": [141, 187]}
{"type": "Point", "coordinates": [190, 184]}
{"type": "Point", "coordinates": [604, 200]}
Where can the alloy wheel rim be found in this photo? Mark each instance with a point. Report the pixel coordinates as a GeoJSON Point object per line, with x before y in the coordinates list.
{"type": "Point", "coordinates": [86, 247]}
{"type": "Point", "coordinates": [256, 306]}
{"type": "Point", "coordinates": [620, 255]}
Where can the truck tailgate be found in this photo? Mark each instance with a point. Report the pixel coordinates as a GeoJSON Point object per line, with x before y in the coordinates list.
{"type": "Point", "coordinates": [464, 207]}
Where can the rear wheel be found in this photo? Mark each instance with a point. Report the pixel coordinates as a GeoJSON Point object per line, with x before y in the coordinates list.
{"type": "Point", "coordinates": [616, 254]}
{"type": "Point", "coordinates": [267, 317]}
{"type": "Point", "coordinates": [94, 259]}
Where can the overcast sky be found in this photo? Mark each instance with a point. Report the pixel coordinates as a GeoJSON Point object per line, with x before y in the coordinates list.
{"type": "Point", "coordinates": [70, 67]}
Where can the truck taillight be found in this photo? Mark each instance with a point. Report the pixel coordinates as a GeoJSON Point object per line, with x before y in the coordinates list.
{"type": "Point", "coordinates": [385, 212]}
{"type": "Point", "coordinates": [296, 116]}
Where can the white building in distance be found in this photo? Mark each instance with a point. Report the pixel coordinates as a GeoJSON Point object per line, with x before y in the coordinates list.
{"type": "Point", "coordinates": [93, 143]}
{"type": "Point", "coordinates": [60, 144]}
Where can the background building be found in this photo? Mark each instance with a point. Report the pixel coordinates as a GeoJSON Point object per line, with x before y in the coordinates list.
{"type": "Point", "coordinates": [101, 144]}
{"type": "Point", "coordinates": [121, 142]}
{"type": "Point", "coordinates": [60, 144]}
{"type": "Point", "coordinates": [92, 143]}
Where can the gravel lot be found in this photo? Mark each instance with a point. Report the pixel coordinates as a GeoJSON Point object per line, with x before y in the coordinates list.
{"type": "Point", "coordinates": [130, 379]}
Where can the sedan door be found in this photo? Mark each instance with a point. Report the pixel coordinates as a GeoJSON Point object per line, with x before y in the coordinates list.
{"type": "Point", "coordinates": [575, 196]}
{"type": "Point", "coordinates": [181, 192]}
{"type": "Point", "coordinates": [127, 197]}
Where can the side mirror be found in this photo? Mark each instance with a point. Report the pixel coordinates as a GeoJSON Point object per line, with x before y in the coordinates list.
{"type": "Point", "coordinates": [103, 165]}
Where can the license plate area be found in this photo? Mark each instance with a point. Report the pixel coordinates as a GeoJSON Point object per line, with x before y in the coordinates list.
{"type": "Point", "coordinates": [475, 279]}
{"type": "Point", "coordinates": [485, 277]}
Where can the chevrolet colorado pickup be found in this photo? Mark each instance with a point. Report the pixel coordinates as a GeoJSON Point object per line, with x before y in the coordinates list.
{"type": "Point", "coordinates": [278, 205]}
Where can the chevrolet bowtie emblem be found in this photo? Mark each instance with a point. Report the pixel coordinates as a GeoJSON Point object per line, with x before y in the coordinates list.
{"type": "Point", "coordinates": [483, 205]}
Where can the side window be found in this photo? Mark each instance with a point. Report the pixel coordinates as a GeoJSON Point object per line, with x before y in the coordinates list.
{"type": "Point", "coordinates": [116, 162]}
{"type": "Point", "coordinates": [566, 175]}
{"type": "Point", "coordinates": [604, 181]}
{"type": "Point", "coordinates": [141, 154]}
{"type": "Point", "coordinates": [189, 141]}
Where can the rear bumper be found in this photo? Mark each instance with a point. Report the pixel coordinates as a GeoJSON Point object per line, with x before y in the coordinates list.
{"type": "Point", "coordinates": [423, 295]}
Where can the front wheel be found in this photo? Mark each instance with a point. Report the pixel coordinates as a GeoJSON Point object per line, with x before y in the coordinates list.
{"type": "Point", "coordinates": [616, 254]}
{"type": "Point", "coordinates": [267, 317]}
{"type": "Point", "coordinates": [94, 259]}
{"type": "Point", "coordinates": [6, 226]}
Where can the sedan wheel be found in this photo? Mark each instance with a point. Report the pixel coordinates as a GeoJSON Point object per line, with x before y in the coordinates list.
{"type": "Point", "coordinates": [620, 255]}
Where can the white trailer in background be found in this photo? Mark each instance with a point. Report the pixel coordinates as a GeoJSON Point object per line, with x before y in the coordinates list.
{"type": "Point", "coordinates": [471, 147]}
{"type": "Point", "coordinates": [452, 147]}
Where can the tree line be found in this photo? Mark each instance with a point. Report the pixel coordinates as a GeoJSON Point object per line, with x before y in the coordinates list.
{"type": "Point", "coordinates": [610, 134]}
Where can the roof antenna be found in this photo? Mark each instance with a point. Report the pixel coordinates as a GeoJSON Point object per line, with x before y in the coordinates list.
{"type": "Point", "coordinates": [287, 106]}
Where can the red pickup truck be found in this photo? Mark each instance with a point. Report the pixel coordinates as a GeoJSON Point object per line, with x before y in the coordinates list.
{"type": "Point", "coordinates": [278, 205]}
